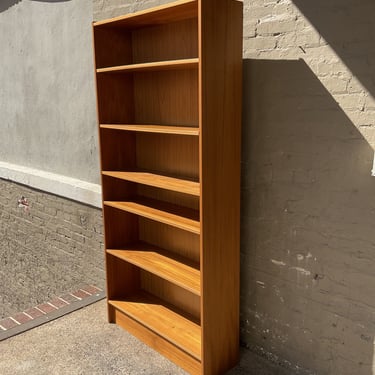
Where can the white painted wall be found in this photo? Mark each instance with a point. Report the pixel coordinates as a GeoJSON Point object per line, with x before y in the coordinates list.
{"type": "Point", "coordinates": [47, 100]}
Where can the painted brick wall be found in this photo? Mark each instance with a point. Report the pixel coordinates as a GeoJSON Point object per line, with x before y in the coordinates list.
{"type": "Point", "coordinates": [49, 247]}
{"type": "Point", "coordinates": [308, 239]}
{"type": "Point", "coordinates": [308, 198]}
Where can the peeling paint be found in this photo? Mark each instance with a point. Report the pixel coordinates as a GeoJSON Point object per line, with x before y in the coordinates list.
{"type": "Point", "coordinates": [278, 293]}
{"type": "Point", "coordinates": [278, 262]}
{"type": "Point", "coordinates": [301, 257]}
{"type": "Point", "coordinates": [301, 270]}
{"type": "Point", "coordinates": [261, 283]}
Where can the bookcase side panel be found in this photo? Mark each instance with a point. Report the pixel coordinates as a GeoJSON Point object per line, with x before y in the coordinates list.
{"type": "Point", "coordinates": [220, 121]}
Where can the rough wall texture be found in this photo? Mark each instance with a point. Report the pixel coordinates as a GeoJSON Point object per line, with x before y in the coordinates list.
{"type": "Point", "coordinates": [47, 100]}
{"type": "Point", "coordinates": [49, 247]}
{"type": "Point", "coordinates": [112, 8]}
{"type": "Point", "coordinates": [47, 113]}
{"type": "Point", "coordinates": [308, 207]}
{"type": "Point", "coordinates": [308, 210]}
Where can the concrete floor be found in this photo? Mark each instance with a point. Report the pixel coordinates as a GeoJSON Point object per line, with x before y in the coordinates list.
{"type": "Point", "coordinates": [84, 343]}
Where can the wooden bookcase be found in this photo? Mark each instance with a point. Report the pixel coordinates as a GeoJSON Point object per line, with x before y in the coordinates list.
{"type": "Point", "coordinates": [169, 112]}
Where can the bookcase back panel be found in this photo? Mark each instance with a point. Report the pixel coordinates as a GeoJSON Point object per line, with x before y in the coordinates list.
{"type": "Point", "coordinates": [180, 242]}
{"type": "Point", "coordinates": [165, 195]}
{"type": "Point", "coordinates": [123, 278]}
{"type": "Point", "coordinates": [114, 189]}
{"type": "Point", "coordinates": [171, 41]}
{"type": "Point", "coordinates": [118, 150]}
{"type": "Point", "coordinates": [176, 296]}
{"type": "Point", "coordinates": [115, 98]}
{"type": "Point", "coordinates": [121, 228]}
{"type": "Point", "coordinates": [113, 46]}
{"type": "Point", "coordinates": [173, 155]}
{"type": "Point", "coordinates": [166, 97]}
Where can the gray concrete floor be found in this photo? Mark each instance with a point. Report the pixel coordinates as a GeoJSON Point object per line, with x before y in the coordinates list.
{"type": "Point", "coordinates": [84, 343]}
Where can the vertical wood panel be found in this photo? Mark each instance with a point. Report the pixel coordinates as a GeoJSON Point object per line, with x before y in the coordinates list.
{"type": "Point", "coordinates": [171, 41]}
{"type": "Point", "coordinates": [121, 228]}
{"type": "Point", "coordinates": [173, 239]}
{"type": "Point", "coordinates": [178, 297]}
{"type": "Point", "coordinates": [166, 97]}
{"type": "Point", "coordinates": [174, 155]}
{"type": "Point", "coordinates": [115, 98]}
{"type": "Point", "coordinates": [127, 284]}
{"type": "Point", "coordinates": [118, 150]}
{"type": "Point", "coordinates": [113, 46]}
{"type": "Point", "coordinates": [179, 199]}
{"type": "Point", "coordinates": [220, 122]}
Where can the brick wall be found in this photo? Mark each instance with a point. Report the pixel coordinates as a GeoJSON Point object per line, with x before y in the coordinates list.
{"type": "Point", "coordinates": [49, 247]}
{"type": "Point", "coordinates": [308, 207]}
{"type": "Point", "coordinates": [308, 236]}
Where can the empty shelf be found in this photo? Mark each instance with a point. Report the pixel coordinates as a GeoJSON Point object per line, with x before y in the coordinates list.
{"type": "Point", "coordinates": [153, 66]}
{"type": "Point", "coordinates": [159, 181]}
{"type": "Point", "coordinates": [162, 263]}
{"type": "Point", "coordinates": [167, 213]}
{"type": "Point", "coordinates": [164, 129]}
{"type": "Point", "coordinates": [160, 318]}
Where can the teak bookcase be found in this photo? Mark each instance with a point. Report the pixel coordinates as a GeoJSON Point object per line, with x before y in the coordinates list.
{"type": "Point", "coordinates": [169, 110]}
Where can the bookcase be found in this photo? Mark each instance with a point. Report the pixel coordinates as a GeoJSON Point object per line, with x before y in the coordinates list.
{"type": "Point", "coordinates": [169, 110]}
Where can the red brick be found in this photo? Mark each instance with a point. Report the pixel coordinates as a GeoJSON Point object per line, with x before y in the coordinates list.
{"type": "Point", "coordinates": [46, 308]}
{"type": "Point", "coordinates": [22, 318]}
{"type": "Point", "coordinates": [80, 294]}
{"type": "Point", "coordinates": [8, 323]}
{"type": "Point", "coordinates": [58, 302]}
{"type": "Point", "coordinates": [91, 289]}
{"type": "Point", "coordinates": [34, 313]}
{"type": "Point", "coordinates": [69, 298]}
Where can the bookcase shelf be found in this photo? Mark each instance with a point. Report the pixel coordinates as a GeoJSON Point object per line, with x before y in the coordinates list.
{"type": "Point", "coordinates": [161, 129]}
{"type": "Point", "coordinates": [169, 99]}
{"type": "Point", "coordinates": [167, 213]}
{"type": "Point", "coordinates": [164, 320]}
{"type": "Point", "coordinates": [160, 181]}
{"type": "Point", "coordinates": [162, 263]}
{"type": "Point", "coordinates": [153, 66]}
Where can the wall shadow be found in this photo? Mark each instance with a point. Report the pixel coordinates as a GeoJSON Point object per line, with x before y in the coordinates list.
{"type": "Point", "coordinates": [6, 4]}
{"type": "Point", "coordinates": [307, 223]}
{"type": "Point", "coordinates": [348, 27]}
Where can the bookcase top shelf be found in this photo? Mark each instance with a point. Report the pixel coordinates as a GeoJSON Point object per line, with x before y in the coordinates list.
{"type": "Point", "coordinates": [171, 12]}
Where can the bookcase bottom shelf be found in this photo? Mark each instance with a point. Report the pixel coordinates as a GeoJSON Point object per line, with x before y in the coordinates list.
{"type": "Point", "coordinates": [168, 332]}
